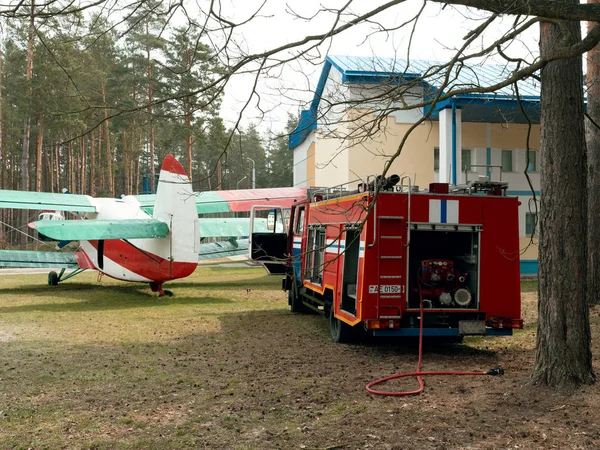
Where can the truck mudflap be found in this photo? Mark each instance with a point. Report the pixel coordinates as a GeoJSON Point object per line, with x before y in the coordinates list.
{"type": "Point", "coordinates": [438, 332]}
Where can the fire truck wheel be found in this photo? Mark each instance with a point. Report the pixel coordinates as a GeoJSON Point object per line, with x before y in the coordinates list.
{"type": "Point", "coordinates": [340, 331]}
{"type": "Point", "coordinates": [295, 302]}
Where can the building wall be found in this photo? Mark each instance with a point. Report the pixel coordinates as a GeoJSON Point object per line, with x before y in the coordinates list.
{"type": "Point", "coordinates": [370, 155]}
{"type": "Point", "coordinates": [304, 163]}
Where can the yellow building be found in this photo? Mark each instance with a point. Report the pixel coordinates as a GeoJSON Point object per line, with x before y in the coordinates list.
{"type": "Point", "coordinates": [366, 110]}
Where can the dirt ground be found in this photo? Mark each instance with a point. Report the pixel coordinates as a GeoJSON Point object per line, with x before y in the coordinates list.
{"type": "Point", "coordinates": [268, 379]}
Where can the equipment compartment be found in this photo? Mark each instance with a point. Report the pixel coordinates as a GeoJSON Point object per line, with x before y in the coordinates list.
{"type": "Point", "coordinates": [443, 267]}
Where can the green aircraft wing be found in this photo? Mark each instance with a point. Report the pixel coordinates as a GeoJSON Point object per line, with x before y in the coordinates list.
{"type": "Point", "coordinates": [45, 200]}
{"type": "Point", "coordinates": [23, 258]}
{"type": "Point", "coordinates": [77, 230]}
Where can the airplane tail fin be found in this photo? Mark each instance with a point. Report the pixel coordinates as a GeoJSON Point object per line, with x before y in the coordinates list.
{"type": "Point", "coordinates": [176, 206]}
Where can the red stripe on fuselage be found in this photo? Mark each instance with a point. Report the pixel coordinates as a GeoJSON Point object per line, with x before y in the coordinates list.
{"type": "Point", "coordinates": [143, 263]}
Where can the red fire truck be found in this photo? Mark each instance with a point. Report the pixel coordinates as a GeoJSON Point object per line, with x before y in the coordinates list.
{"type": "Point", "coordinates": [372, 258]}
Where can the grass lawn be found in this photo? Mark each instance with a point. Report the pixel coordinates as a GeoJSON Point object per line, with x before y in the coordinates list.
{"type": "Point", "coordinates": [224, 364]}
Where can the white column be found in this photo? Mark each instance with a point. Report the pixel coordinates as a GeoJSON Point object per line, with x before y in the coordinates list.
{"type": "Point", "coordinates": [460, 173]}
{"type": "Point", "coordinates": [445, 119]}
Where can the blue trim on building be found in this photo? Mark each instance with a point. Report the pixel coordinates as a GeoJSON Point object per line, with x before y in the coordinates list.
{"type": "Point", "coordinates": [529, 267]}
{"type": "Point", "coordinates": [308, 117]}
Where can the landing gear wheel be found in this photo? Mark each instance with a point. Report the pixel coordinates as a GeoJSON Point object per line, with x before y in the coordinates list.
{"type": "Point", "coordinates": [156, 286]}
{"type": "Point", "coordinates": [53, 278]}
{"type": "Point", "coordinates": [340, 331]}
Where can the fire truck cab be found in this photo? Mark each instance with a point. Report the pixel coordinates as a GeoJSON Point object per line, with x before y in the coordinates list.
{"type": "Point", "coordinates": [373, 258]}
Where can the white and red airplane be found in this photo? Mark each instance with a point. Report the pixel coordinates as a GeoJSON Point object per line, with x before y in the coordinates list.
{"type": "Point", "coordinates": [142, 238]}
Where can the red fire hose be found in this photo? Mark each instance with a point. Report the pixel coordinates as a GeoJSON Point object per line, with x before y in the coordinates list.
{"type": "Point", "coordinates": [418, 373]}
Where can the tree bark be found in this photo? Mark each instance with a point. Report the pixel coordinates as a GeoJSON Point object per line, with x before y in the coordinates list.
{"type": "Point", "coordinates": [152, 170]}
{"type": "Point", "coordinates": [2, 146]}
{"type": "Point", "coordinates": [126, 190]}
{"type": "Point", "coordinates": [109, 175]}
{"type": "Point", "coordinates": [39, 145]}
{"type": "Point", "coordinates": [27, 121]}
{"type": "Point", "coordinates": [563, 356]}
{"type": "Point", "coordinates": [593, 172]}
{"type": "Point", "coordinates": [188, 122]}
{"type": "Point", "coordinates": [92, 164]}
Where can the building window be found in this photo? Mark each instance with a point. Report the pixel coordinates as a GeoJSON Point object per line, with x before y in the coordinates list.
{"type": "Point", "coordinates": [530, 224]}
{"type": "Point", "coordinates": [507, 161]}
{"type": "Point", "coordinates": [466, 159]}
{"type": "Point", "coordinates": [436, 159]}
{"type": "Point", "coordinates": [532, 167]}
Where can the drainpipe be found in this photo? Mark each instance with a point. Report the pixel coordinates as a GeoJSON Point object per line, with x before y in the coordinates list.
{"type": "Point", "coordinates": [453, 174]}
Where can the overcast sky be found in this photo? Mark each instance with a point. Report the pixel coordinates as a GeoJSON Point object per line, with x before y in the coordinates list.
{"type": "Point", "coordinates": [439, 33]}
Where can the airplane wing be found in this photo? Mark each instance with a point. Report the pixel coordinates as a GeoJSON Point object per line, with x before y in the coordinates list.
{"type": "Point", "coordinates": [45, 200]}
{"type": "Point", "coordinates": [23, 258]}
{"type": "Point", "coordinates": [209, 202]}
{"type": "Point", "coordinates": [76, 230]}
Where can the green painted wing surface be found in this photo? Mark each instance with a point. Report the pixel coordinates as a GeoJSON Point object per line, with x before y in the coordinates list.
{"type": "Point", "coordinates": [222, 249]}
{"type": "Point", "coordinates": [45, 200]}
{"type": "Point", "coordinates": [76, 230]}
{"type": "Point", "coordinates": [230, 227]}
{"type": "Point", "coordinates": [22, 258]}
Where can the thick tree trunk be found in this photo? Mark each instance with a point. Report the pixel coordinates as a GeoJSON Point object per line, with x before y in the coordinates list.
{"type": "Point", "coordinates": [82, 166]}
{"type": "Point", "coordinates": [593, 172]}
{"type": "Point", "coordinates": [92, 190]}
{"type": "Point", "coordinates": [70, 166]}
{"type": "Point", "coordinates": [27, 121]}
{"type": "Point", "coordinates": [152, 164]}
{"type": "Point", "coordinates": [39, 145]}
{"type": "Point", "coordinates": [132, 148]}
{"type": "Point", "coordinates": [109, 175]}
{"type": "Point", "coordinates": [57, 164]}
{"type": "Point", "coordinates": [563, 357]}
{"type": "Point", "coordinates": [2, 146]}
{"type": "Point", "coordinates": [50, 170]}
{"type": "Point", "coordinates": [126, 190]}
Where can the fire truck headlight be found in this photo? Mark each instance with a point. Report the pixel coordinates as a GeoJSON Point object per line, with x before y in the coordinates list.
{"type": "Point", "coordinates": [462, 297]}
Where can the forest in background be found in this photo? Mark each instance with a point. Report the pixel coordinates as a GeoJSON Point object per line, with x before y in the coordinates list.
{"type": "Point", "coordinates": [94, 107]}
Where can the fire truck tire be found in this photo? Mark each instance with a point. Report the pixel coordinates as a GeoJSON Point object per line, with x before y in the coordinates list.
{"type": "Point", "coordinates": [340, 331]}
{"type": "Point", "coordinates": [295, 302]}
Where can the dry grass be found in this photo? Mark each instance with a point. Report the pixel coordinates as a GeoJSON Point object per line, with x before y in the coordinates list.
{"type": "Point", "coordinates": [223, 364]}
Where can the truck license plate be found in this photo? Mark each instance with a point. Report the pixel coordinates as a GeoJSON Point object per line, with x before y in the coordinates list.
{"type": "Point", "coordinates": [471, 327]}
{"type": "Point", "coordinates": [389, 289]}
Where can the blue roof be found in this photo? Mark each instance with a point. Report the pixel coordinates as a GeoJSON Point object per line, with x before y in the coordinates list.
{"type": "Point", "coordinates": [498, 106]}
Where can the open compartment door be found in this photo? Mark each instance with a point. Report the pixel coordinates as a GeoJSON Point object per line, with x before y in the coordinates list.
{"type": "Point", "coordinates": [268, 244]}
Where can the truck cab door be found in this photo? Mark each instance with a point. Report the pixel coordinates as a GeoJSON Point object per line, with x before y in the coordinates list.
{"type": "Point", "coordinates": [268, 238]}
